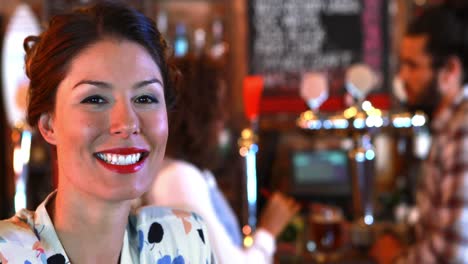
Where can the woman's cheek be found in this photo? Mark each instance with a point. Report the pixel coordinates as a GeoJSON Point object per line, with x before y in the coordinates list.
{"type": "Point", "coordinates": [159, 126]}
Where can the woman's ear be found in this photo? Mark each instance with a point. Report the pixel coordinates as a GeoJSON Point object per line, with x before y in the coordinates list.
{"type": "Point", "coordinates": [46, 127]}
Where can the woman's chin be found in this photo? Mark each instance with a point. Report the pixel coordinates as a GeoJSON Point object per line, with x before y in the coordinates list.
{"type": "Point", "coordinates": [122, 195]}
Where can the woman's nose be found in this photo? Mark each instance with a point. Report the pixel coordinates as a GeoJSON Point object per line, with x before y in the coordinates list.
{"type": "Point", "coordinates": [124, 120]}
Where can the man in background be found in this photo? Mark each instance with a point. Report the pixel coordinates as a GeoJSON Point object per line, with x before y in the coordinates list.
{"type": "Point", "coordinates": [434, 63]}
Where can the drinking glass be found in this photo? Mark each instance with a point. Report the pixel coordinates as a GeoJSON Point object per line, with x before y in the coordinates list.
{"type": "Point", "coordinates": [325, 232]}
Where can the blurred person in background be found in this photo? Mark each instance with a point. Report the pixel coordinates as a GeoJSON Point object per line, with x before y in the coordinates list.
{"type": "Point", "coordinates": [434, 69]}
{"type": "Point", "coordinates": [186, 180]}
{"type": "Point", "coordinates": [99, 92]}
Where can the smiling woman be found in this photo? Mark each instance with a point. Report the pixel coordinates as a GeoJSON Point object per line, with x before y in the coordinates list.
{"type": "Point", "coordinates": [99, 92]}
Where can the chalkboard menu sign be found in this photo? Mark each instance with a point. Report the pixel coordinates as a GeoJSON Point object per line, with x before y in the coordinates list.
{"type": "Point", "coordinates": [299, 35]}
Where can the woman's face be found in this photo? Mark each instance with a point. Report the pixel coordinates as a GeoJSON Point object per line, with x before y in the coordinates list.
{"type": "Point", "coordinates": [110, 121]}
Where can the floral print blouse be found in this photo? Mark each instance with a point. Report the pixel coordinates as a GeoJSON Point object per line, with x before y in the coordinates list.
{"type": "Point", "coordinates": [154, 235]}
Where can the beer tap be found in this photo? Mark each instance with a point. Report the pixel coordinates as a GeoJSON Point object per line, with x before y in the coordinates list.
{"type": "Point", "coordinates": [252, 91]}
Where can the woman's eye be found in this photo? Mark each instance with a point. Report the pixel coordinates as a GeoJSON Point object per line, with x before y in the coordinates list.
{"type": "Point", "coordinates": [146, 99]}
{"type": "Point", "coordinates": [94, 99]}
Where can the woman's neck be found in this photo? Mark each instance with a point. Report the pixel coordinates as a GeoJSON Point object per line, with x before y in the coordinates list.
{"type": "Point", "coordinates": [86, 224]}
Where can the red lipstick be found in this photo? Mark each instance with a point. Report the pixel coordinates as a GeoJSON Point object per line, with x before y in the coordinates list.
{"type": "Point", "coordinates": [123, 169]}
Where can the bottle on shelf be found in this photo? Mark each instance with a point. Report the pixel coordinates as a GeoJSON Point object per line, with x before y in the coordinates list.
{"type": "Point", "coordinates": [181, 45]}
{"type": "Point", "coordinates": [162, 23]}
{"type": "Point", "coordinates": [218, 47]}
{"type": "Point", "coordinates": [199, 41]}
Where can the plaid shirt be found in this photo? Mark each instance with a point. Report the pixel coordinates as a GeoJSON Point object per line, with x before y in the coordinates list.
{"type": "Point", "coordinates": [442, 199]}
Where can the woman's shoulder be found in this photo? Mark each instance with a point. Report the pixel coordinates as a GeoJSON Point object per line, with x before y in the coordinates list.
{"type": "Point", "coordinates": [161, 213]}
{"type": "Point", "coordinates": [175, 221]}
{"type": "Point", "coordinates": [18, 237]}
{"type": "Point", "coordinates": [170, 233]}
{"type": "Point", "coordinates": [18, 228]}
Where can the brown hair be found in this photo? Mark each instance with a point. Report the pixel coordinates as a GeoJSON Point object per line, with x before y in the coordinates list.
{"type": "Point", "coordinates": [49, 55]}
{"type": "Point", "coordinates": [193, 124]}
{"type": "Point", "coordinates": [446, 29]}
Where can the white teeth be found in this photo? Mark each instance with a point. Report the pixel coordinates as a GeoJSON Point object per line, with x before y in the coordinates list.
{"type": "Point", "coordinates": [116, 159]}
{"type": "Point", "coordinates": [101, 156]}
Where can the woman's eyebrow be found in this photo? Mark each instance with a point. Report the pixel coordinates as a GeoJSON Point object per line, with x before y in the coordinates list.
{"type": "Point", "coordinates": [102, 84]}
{"type": "Point", "coordinates": [94, 83]}
{"type": "Point", "coordinates": [147, 82]}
